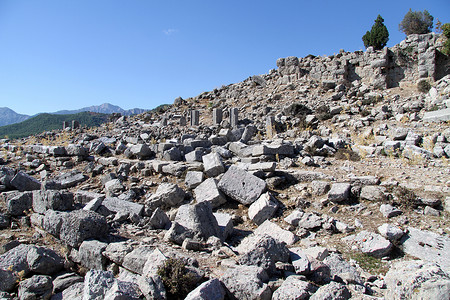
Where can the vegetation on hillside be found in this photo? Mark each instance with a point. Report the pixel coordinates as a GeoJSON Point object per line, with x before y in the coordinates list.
{"type": "Point", "coordinates": [378, 36]}
{"type": "Point", "coordinates": [418, 22]}
{"type": "Point", "coordinates": [47, 122]}
{"type": "Point", "coordinates": [446, 32]}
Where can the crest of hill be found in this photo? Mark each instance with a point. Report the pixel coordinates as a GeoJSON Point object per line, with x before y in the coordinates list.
{"type": "Point", "coordinates": [8, 116]}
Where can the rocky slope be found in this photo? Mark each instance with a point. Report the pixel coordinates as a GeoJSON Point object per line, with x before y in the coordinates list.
{"type": "Point", "coordinates": [8, 116]}
{"type": "Point", "coordinates": [324, 179]}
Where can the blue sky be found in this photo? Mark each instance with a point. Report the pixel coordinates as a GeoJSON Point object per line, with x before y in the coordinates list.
{"type": "Point", "coordinates": [67, 54]}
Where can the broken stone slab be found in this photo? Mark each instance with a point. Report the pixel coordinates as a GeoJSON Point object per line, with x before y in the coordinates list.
{"type": "Point", "coordinates": [416, 153]}
{"type": "Point", "coordinates": [117, 251]}
{"type": "Point", "coordinates": [97, 283]}
{"type": "Point", "coordinates": [199, 219]}
{"type": "Point", "coordinates": [308, 176]}
{"type": "Point", "coordinates": [20, 204]}
{"type": "Point", "coordinates": [36, 287]}
{"type": "Point", "coordinates": [273, 149]}
{"type": "Point", "coordinates": [300, 261]}
{"type": "Point", "coordinates": [332, 290]}
{"type": "Point", "coordinates": [65, 180]}
{"type": "Point", "coordinates": [295, 217]}
{"type": "Point", "coordinates": [240, 149]}
{"type": "Point", "coordinates": [135, 260]}
{"type": "Point", "coordinates": [213, 165]}
{"type": "Point", "coordinates": [263, 208]}
{"type": "Point", "coordinates": [428, 246]}
{"type": "Point", "coordinates": [178, 233]}
{"type": "Point", "coordinates": [263, 251]}
{"type": "Point", "coordinates": [225, 222]}
{"type": "Point", "coordinates": [159, 219]}
{"type": "Point", "coordinates": [141, 151]}
{"type": "Point", "coordinates": [115, 205]}
{"type": "Point", "coordinates": [241, 185]}
{"type": "Point", "coordinates": [370, 243]}
{"type": "Point", "coordinates": [8, 280]}
{"type": "Point", "coordinates": [81, 225]}
{"type": "Point", "coordinates": [76, 150]}
{"type": "Point", "coordinates": [65, 280]}
{"type": "Point", "coordinates": [441, 115]}
{"type": "Point", "coordinates": [54, 200]}
{"type": "Point", "coordinates": [276, 232]}
{"type": "Point", "coordinates": [294, 285]}
{"type": "Point", "coordinates": [209, 290]}
{"type": "Point", "coordinates": [193, 179]}
{"type": "Point", "coordinates": [15, 260]}
{"type": "Point", "coordinates": [373, 193]}
{"type": "Point", "coordinates": [175, 169]}
{"type": "Point", "coordinates": [90, 254]}
{"type": "Point", "coordinates": [152, 287]}
{"type": "Point", "coordinates": [44, 261]}
{"type": "Point", "coordinates": [195, 155]}
{"type": "Point", "coordinates": [155, 260]}
{"type": "Point", "coordinates": [417, 279]}
{"type": "Point", "coordinates": [388, 211]}
{"type": "Point", "coordinates": [113, 187]}
{"type": "Point", "coordinates": [123, 290]}
{"type": "Point", "coordinates": [319, 187]}
{"type": "Point", "coordinates": [24, 182]}
{"type": "Point", "coordinates": [339, 192]}
{"type": "Point", "coordinates": [208, 191]}
{"type": "Point", "coordinates": [341, 270]}
{"type": "Point", "coordinates": [247, 282]}
{"type": "Point", "coordinates": [262, 166]}
{"type": "Point", "coordinates": [168, 194]}
{"type": "Point", "coordinates": [53, 221]}
{"type": "Point", "coordinates": [391, 232]}
{"type": "Point", "coordinates": [310, 221]}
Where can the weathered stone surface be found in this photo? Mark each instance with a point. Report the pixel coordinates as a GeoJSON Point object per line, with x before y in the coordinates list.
{"type": "Point", "coordinates": [193, 179]}
{"type": "Point", "coordinates": [391, 232]}
{"type": "Point", "coordinates": [53, 221]}
{"type": "Point", "coordinates": [65, 180]}
{"type": "Point", "coordinates": [113, 187]}
{"type": "Point", "coordinates": [24, 182]}
{"type": "Point", "coordinates": [388, 211]}
{"type": "Point", "coordinates": [300, 261]}
{"type": "Point", "coordinates": [437, 116]}
{"type": "Point", "coordinates": [20, 204]}
{"type": "Point", "coordinates": [44, 261]}
{"type": "Point", "coordinates": [141, 151]}
{"type": "Point", "coordinates": [262, 251]}
{"type": "Point", "coordinates": [115, 205]}
{"type": "Point", "coordinates": [54, 200]}
{"type": "Point", "coordinates": [247, 282]}
{"type": "Point", "coordinates": [417, 280]}
{"type": "Point", "coordinates": [91, 254]}
{"type": "Point", "coordinates": [116, 252]}
{"type": "Point", "coordinates": [122, 290]}
{"type": "Point", "coordinates": [225, 222]}
{"type": "Point", "coordinates": [333, 290]}
{"type": "Point", "coordinates": [208, 191]}
{"type": "Point", "coordinates": [428, 246]}
{"type": "Point", "coordinates": [36, 287]}
{"type": "Point", "coordinates": [273, 149]}
{"type": "Point", "coordinates": [263, 208]}
{"type": "Point", "coordinates": [241, 185]}
{"type": "Point", "coordinates": [310, 221]}
{"type": "Point", "coordinates": [372, 193]}
{"type": "Point", "coordinates": [339, 192]}
{"type": "Point", "coordinates": [152, 287]}
{"type": "Point", "coordinates": [16, 259]}
{"type": "Point", "coordinates": [97, 283]}
{"type": "Point", "coordinates": [209, 290]}
{"type": "Point", "coordinates": [76, 150]}
{"type": "Point", "coordinates": [81, 225]}
{"type": "Point", "coordinates": [213, 165]}
{"type": "Point", "coordinates": [370, 243]}
{"type": "Point", "coordinates": [154, 261]}
{"type": "Point", "coordinates": [319, 187]}
{"type": "Point", "coordinates": [340, 269]}
{"type": "Point", "coordinates": [294, 287]}
{"type": "Point", "coordinates": [63, 281]}
{"type": "Point", "coordinates": [276, 232]}
{"type": "Point", "coordinates": [168, 194]}
{"type": "Point", "coordinates": [8, 280]}
{"type": "Point", "coordinates": [199, 219]}
{"type": "Point", "coordinates": [178, 233]}
{"type": "Point", "coordinates": [135, 260]}
{"type": "Point", "coordinates": [295, 217]}
{"type": "Point", "coordinates": [159, 219]}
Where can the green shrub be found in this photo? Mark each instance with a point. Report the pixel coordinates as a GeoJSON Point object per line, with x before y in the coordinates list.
{"type": "Point", "coordinates": [423, 86]}
{"type": "Point", "coordinates": [177, 279]}
{"type": "Point", "coordinates": [378, 36]}
{"type": "Point", "coordinates": [416, 22]}
{"type": "Point", "coordinates": [446, 32]}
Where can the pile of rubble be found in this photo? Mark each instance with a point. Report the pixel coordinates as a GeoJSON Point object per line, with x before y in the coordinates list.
{"type": "Point", "coordinates": [279, 187]}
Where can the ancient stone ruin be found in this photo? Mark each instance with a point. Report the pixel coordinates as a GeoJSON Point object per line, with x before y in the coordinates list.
{"type": "Point", "coordinates": [327, 178]}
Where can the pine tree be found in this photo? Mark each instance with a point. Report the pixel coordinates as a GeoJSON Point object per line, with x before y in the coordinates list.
{"type": "Point", "coordinates": [378, 36]}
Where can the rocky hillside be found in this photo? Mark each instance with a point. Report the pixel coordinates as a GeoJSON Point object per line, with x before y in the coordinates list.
{"type": "Point", "coordinates": [327, 178]}
{"type": "Point", "coordinates": [8, 116]}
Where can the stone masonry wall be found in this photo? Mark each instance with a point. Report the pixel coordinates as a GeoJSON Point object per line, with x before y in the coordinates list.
{"type": "Point", "coordinates": [413, 59]}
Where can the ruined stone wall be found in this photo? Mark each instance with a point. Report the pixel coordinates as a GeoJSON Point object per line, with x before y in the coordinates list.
{"type": "Point", "coordinates": [414, 58]}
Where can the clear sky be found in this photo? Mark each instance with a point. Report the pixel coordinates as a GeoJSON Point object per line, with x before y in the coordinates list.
{"type": "Point", "coordinates": [68, 54]}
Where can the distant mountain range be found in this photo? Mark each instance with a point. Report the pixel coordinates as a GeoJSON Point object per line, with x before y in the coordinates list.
{"type": "Point", "coordinates": [8, 116]}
